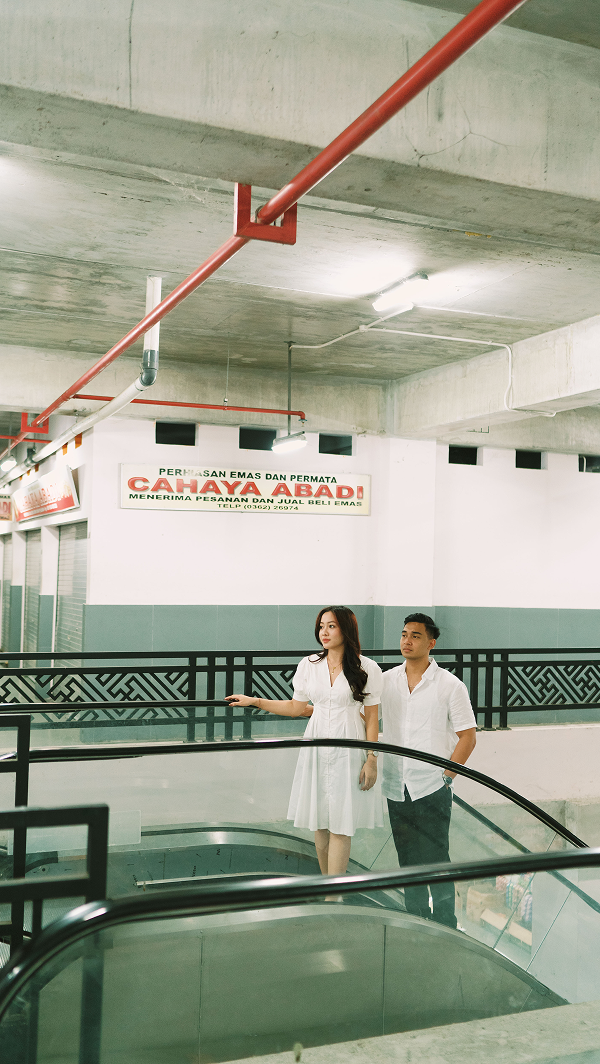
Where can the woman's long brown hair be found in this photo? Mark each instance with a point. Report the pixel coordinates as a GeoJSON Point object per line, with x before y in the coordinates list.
{"type": "Point", "coordinates": [353, 670]}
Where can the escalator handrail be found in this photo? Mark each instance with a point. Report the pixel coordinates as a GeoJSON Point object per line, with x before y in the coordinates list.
{"type": "Point", "coordinates": [112, 751]}
{"type": "Point", "coordinates": [273, 892]}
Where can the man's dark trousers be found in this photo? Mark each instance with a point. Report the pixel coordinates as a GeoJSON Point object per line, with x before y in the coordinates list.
{"type": "Point", "coordinates": [421, 832]}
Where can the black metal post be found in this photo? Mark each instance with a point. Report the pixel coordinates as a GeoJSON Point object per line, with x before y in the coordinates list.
{"type": "Point", "coordinates": [191, 693]}
{"type": "Point", "coordinates": [23, 726]}
{"type": "Point", "coordinates": [97, 852]}
{"type": "Point", "coordinates": [92, 987]}
{"type": "Point", "coordinates": [229, 684]}
{"type": "Point", "coordinates": [504, 689]}
{"type": "Point", "coordinates": [489, 689]}
{"type": "Point", "coordinates": [474, 683]}
{"type": "Point", "coordinates": [248, 668]}
{"type": "Point", "coordinates": [211, 666]}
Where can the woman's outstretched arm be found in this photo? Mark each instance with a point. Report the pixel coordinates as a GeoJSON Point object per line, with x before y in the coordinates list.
{"type": "Point", "coordinates": [288, 708]}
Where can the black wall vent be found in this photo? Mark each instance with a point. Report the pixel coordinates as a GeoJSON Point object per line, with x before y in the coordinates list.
{"type": "Point", "coordinates": [462, 455]}
{"type": "Point", "coordinates": [334, 444]}
{"type": "Point", "coordinates": [528, 459]}
{"type": "Point", "coordinates": [252, 439]}
{"type": "Point", "coordinates": [181, 433]}
{"type": "Point", "coordinates": [589, 463]}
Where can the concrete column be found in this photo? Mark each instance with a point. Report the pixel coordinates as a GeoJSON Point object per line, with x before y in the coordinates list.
{"type": "Point", "coordinates": [15, 623]}
{"type": "Point", "coordinates": [48, 585]}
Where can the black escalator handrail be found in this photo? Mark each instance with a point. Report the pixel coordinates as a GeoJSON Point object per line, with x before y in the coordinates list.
{"type": "Point", "coordinates": [272, 892]}
{"type": "Point", "coordinates": [110, 751]}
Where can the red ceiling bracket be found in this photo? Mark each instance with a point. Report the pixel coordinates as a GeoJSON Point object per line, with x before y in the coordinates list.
{"type": "Point", "coordinates": [285, 233]}
{"type": "Point", "coordinates": [43, 429]}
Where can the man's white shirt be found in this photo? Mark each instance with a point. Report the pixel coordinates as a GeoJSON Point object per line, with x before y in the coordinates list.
{"type": "Point", "coordinates": [426, 719]}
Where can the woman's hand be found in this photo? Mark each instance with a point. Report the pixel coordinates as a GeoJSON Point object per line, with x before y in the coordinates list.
{"type": "Point", "coordinates": [368, 774]}
{"type": "Point", "coordinates": [240, 700]}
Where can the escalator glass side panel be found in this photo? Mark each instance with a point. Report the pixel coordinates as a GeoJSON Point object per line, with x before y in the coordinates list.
{"type": "Point", "coordinates": [183, 816]}
{"type": "Point", "coordinates": [232, 984]}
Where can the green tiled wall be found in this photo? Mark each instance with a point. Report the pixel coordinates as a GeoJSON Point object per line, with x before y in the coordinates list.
{"type": "Point", "coordinates": [133, 628]}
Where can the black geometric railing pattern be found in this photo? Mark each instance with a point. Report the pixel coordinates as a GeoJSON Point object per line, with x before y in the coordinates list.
{"type": "Point", "coordinates": [557, 684]}
{"type": "Point", "coordinates": [121, 685]}
{"type": "Point", "coordinates": [185, 691]}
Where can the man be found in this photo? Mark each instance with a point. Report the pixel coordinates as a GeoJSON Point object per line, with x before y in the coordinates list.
{"type": "Point", "coordinates": [424, 708]}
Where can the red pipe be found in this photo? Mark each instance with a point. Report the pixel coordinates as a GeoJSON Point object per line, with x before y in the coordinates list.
{"type": "Point", "coordinates": [198, 406]}
{"type": "Point", "coordinates": [462, 37]}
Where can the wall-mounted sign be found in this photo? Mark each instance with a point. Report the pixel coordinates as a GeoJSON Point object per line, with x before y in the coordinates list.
{"type": "Point", "coordinates": [49, 494]}
{"type": "Point", "coordinates": [5, 514]}
{"type": "Point", "coordinates": [149, 487]}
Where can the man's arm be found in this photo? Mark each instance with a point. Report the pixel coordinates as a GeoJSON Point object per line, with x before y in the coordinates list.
{"type": "Point", "coordinates": [463, 749]}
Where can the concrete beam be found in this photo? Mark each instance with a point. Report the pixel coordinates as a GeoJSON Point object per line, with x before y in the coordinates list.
{"type": "Point", "coordinates": [31, 379]}
{"type": "Point", "coordinates": [557, 371]}
{"type": "Point", "coordinates": [80, 131]}
{"type": "Point", "coordinates": [506, 109]}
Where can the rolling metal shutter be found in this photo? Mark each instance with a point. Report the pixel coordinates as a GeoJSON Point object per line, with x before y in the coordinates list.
{"type": "Point", "coordinates": [72, 583]}
{"type": "Point", "coordinates": [33, 577]}
{"type": "Point", "coordinates": [6, 583]}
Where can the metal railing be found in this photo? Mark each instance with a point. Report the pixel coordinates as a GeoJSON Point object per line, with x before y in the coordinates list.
{"type": "Point", "coordinates": [90, 885]}
{"type": "Point", "coordinates": [81, 928]}
{"type": "Point", "coordinates": [187, 688]}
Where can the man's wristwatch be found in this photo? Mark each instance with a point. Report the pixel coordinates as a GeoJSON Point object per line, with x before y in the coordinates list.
{"type": "Point", "coordinates": [372, 752]}
{"type": "Point", "coordinates": [448, 781]}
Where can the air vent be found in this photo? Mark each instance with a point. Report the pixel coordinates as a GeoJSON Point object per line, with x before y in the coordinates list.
{"type": "Point", "coordinates": [179, 433]}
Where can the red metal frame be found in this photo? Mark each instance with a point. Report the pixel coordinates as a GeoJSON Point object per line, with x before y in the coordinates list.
{"type": "Point", "coordinates": [43, 429]}
{"type": "Point", "coordinates": [244, 226]}
{"type": "Point", "coordinates": [199, 406]}
{"type": "Point", "coordinates": [462, 37]}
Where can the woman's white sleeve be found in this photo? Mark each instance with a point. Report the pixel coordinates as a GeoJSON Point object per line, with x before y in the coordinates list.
{"type": "Point", "coordinates": [374, 684]}
{"type": "Point", "coordinates": [300, 683]}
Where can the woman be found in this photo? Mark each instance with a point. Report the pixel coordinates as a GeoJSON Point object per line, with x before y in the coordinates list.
{"type": "Point", "coordinates": [333, 790]}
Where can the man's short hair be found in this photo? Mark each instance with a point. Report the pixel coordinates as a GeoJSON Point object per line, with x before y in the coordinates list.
{"type": "Point", "coordinates": [422, 618]}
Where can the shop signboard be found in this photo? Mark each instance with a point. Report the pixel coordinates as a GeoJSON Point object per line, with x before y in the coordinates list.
{"type": "Point", "coordinates": [49, 494]}
{"type": "Point", "coordinates": [5, 514]}
{"type": "Point", "coordinates": [244, 490]}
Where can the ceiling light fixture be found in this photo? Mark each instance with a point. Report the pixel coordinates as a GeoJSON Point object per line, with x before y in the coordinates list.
{"type": "Point", "coordinates": [8, 464]}
{"type": "Point", "coordinates": [286, 444]}
{"type": "Point", "coordinates": [404, 294]}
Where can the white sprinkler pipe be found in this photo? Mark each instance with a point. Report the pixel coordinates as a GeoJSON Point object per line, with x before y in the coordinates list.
{"type": "Point", "coordinates": [145, 380]}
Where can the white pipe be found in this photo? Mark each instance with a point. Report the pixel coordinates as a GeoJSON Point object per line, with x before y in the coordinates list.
{"type": "Point", "coordinates": [145, 380]}
{"type": "Point", "coordinates": [487, 343]}
{"type": "Point", "coordinates": [361, 329]}
{"type": "Point", "coordinates": [153, 298]}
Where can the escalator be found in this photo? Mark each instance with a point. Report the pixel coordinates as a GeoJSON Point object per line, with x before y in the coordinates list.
{"type": "Point", "coordinates": [200, 958]}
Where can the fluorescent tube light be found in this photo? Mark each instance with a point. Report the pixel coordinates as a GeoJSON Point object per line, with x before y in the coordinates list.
{"type": "Point", "coordinates": [285, 444]}
{"type": "Point", "coordinates": [403, 295]}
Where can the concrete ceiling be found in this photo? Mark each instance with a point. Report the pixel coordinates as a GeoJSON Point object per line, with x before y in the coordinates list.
{"type": "Point", "coordinates": [501, 209]}
{"type": "Point", "coordinates": [568, 20]}
{"type": "Point", "coordinates": [78, 238]}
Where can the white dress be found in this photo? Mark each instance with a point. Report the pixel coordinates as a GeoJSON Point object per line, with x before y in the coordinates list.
{"type": "Point", "coordinates": [326, 791]}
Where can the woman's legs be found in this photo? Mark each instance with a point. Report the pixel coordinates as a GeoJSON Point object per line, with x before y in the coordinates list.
{"type": "Point", "coordinates": [339, 854]}
{"type": "Point", "coordinates": [333, 852]}
{"type": "Point", "coordinates": [322, 847]}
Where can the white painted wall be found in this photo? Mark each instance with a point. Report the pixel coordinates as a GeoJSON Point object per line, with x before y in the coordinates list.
{"type": "Point", "coordinates": [163, 557]}
{"type": "Point", "coordinates": [516, 537]}
{"type": "Point", "coordinates": [488, 535]}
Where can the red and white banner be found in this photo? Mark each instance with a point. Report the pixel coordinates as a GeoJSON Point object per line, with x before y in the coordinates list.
{"type": "Point", "coordinates": [5, 512]}
{"type": "Point", "coordinates": [149, 487]}
{"type": "Point", "coordinates": [48, 494]}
